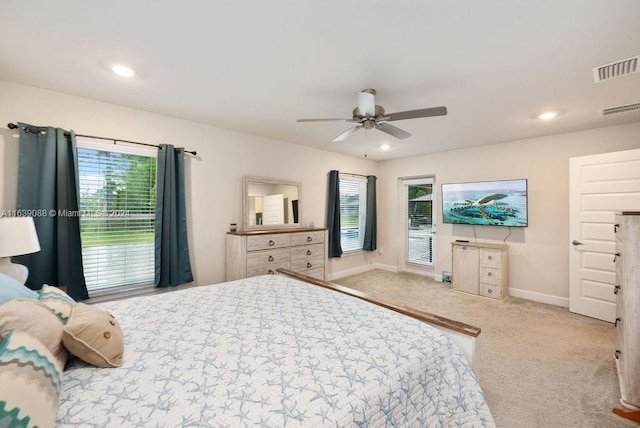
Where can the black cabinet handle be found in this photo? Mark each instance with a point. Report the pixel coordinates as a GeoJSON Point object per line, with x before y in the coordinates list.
{"type": "Point", "coordinates": [270, 258]}
{"type": "Point", "coordinates": [616, 289]}
{"type": "Point", "coordinates": [309, 265]}
{"type": "Point", "coordinates": [490, 257]}
{"type": "Point", "coordinates": [309, 239]}
{"type": "Point", "coordinates": [617, 354]}
{"type": "Point", "coordinates": [617, 321]}
{"type": "Point", "coordinates": [489, 291]}
{"type": "Point", "coordinates": [616, 255]}
{"type": "Point", "coordinates": [615, 228]}
{"type": "Point", "coordinates": [308, 252]}
{"type": "Point", "coordinates": [271, 243]}
{"type": "Point", "coordinates": [272, 272]}
{"type": "Point", "coordinates": [489, 274]}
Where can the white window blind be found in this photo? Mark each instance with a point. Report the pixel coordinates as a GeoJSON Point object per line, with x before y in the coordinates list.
{"type": "Point", "coordinates": [117, 211]}
{"type": "Point", "coordinates": [353, 212]}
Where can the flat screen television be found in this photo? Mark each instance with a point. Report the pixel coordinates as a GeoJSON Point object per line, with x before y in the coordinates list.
{"type": "Point", "coordinates": [486, 203]}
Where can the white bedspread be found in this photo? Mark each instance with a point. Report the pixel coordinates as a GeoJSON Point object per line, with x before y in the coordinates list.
{"type": "Point", "coordinates": [272, 351]}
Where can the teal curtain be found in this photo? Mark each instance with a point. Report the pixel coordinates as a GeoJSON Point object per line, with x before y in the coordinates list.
{"type": "Point", "coordinates": [48, 188]}
{"type": "Point", "coordinates": [333, 214]}
{"type": "Point", "coordinates": [172, 264]}
{"type": "Point", "coordinates": [371, 221]}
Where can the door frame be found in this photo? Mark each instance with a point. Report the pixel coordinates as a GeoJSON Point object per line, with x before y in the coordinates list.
{"type": "Point", "coordinates": [403, 226]}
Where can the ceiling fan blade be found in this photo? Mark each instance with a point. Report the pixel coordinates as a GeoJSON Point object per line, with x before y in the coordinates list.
{"type": "Point", "coordinates": [393, 131]}
{"type": "Point", "coordinates": [346, 133]}
{"type": "Point", "coordinates": [366, 103]}
{"type": "Point", "coordinates": [414, 114]}
{"type": "Point", "coordinates": [325, 120]}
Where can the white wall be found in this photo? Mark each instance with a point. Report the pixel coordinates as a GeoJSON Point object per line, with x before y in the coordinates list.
{"type": "Point", "coordinates": [539, 254]}
{"type": "Point", "coordinates": [214, 177]}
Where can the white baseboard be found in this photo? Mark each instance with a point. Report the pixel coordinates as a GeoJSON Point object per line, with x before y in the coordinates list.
{"type": "Point", "coordinates": [539, 297]}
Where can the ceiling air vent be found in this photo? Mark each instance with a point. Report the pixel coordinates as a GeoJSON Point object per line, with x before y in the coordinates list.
{"type": "Point", "coordinates": [620, 109]}
{"type": "Point", "coordinates": [616, 69]}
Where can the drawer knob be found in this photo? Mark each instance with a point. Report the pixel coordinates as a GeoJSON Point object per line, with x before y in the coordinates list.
{"type": "Point", "coordinates": [308, 252]}
{"type": "Point", "coordinates": [489, 274]}
{"type": "Point", "coordinates": [271, 243]}
{"type": "Point", "coordinates": [617, 354]}
{"type": "Point", "coordinates": [490, 257]}
{"type": "Point", "coordinates": [489, 291]}
{"type": "Point", "coordinates": [309, 265]}
{"type": "Point", "coordinates": [270, 258]}
{"type": "Point", "coordinates": [616, 289]}
{"type": "Point", "coordinates": [309, 239]}
{"type": "Point", "coordinates": [617, 321]}
{"type": "Point", "coordinates": [271, 272]}
{"type": "Point", "coordinates": [615, 256]}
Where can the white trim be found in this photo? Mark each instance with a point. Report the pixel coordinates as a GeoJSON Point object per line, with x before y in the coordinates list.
{"type": "Point", "coordinates": [539, 297]}
{"type": "Point", "coordinates": [105, 146]}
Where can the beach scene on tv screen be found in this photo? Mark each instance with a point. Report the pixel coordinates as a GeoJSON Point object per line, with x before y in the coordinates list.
{"type": "Point", "coordinates": [492, 203]}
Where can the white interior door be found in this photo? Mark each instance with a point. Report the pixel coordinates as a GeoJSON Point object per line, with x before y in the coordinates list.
{"type": "Point", "coordinates": [600, 186]}
{"type": "Point", "coordinates": [273, 209]}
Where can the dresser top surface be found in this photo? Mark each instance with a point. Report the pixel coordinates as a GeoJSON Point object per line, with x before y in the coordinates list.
{"type": "Point", "coordinates": [272, 231]}
{"type": "Point", "coordinates": [481, 245]}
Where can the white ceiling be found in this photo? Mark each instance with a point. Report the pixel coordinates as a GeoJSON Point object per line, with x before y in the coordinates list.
{"type": "Point", "coordinates": [256, 66]}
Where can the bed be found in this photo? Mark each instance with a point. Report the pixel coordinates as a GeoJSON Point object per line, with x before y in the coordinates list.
{"type": "Point", "coordinates": [272, 351]}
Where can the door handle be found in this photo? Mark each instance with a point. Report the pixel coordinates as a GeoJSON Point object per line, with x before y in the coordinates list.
{"type": "Point", "coordinates": [576, 243]}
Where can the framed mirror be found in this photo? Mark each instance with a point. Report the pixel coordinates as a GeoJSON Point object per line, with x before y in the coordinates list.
{"type": "Point", "coordinates": [270, 203]}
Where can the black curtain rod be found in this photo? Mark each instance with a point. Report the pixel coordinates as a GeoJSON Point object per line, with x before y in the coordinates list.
{"type": "Point", "coordinates": [115, 140]}
{"type": "Point", "coordinates": [355, 175]}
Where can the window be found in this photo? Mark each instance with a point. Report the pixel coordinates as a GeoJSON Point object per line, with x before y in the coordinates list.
{"type": "Point", "coordinates": [353, 212]}
{"type": "Point", "coordinates": [117, 212]}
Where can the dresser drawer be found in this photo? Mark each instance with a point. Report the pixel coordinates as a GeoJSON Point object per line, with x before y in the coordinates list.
{"type": "Point", "coordinates": [491, 290]}
{"type": "Point", "coordinates": [266, 270]}
{"type": "Point", "coordinates": [305, 251]}
{"type": "Point", "coordinates": [316, 273]}
{"type": "Point", "coordinates": [489, 257]}
{"type": "Point", "coordinates": [310, 263]}
{"type": "Point", "coordinates": [301, 238]}
{"type": "Point", "coordinates": [265, 242]}
{"type": "Point", "coordinates": [267, 258]}
{"type": "Point", "coordinates": [491, 275]}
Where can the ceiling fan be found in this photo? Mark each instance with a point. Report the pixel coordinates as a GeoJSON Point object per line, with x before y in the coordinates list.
{"type": "Point", "coordinates": [368, 115]}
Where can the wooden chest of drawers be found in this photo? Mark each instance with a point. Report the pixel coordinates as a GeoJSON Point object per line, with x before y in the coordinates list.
{"type": "Point", "coordinates": [261, 253]}
{"type": "Point", "coordinates": [627, 289]}
{"type": "Point", "coordinates": [481, 268]}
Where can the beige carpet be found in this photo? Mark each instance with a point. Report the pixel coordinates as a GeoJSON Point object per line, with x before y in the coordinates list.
{"type": "Point", "coordinates": [540, 365]}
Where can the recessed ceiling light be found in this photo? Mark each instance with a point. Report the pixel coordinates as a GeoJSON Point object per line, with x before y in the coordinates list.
{"type": "Point", "coordinates": [385, 147]}
{"type": "Point", "coordinates": [547, 115]}
{"type": "Point", "coordinates": [123, 70]}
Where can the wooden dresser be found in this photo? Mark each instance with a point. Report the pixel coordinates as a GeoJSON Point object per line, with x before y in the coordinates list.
{"type": "Point", "coordinates": [256, 253]}
{"type": "Point", "coordinates": [481, 268]}
{"type": "Point", "coordinates": [627, 289]}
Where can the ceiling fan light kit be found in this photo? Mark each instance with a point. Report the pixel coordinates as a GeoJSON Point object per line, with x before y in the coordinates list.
{"type": "Point", "coordinates": [369, 115]}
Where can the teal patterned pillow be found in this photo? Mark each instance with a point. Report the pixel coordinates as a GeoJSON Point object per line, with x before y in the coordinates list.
{"type": "Point", "coordinates": [59, 301]}
{"type": "Point", "coordinates": [30, 380]}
